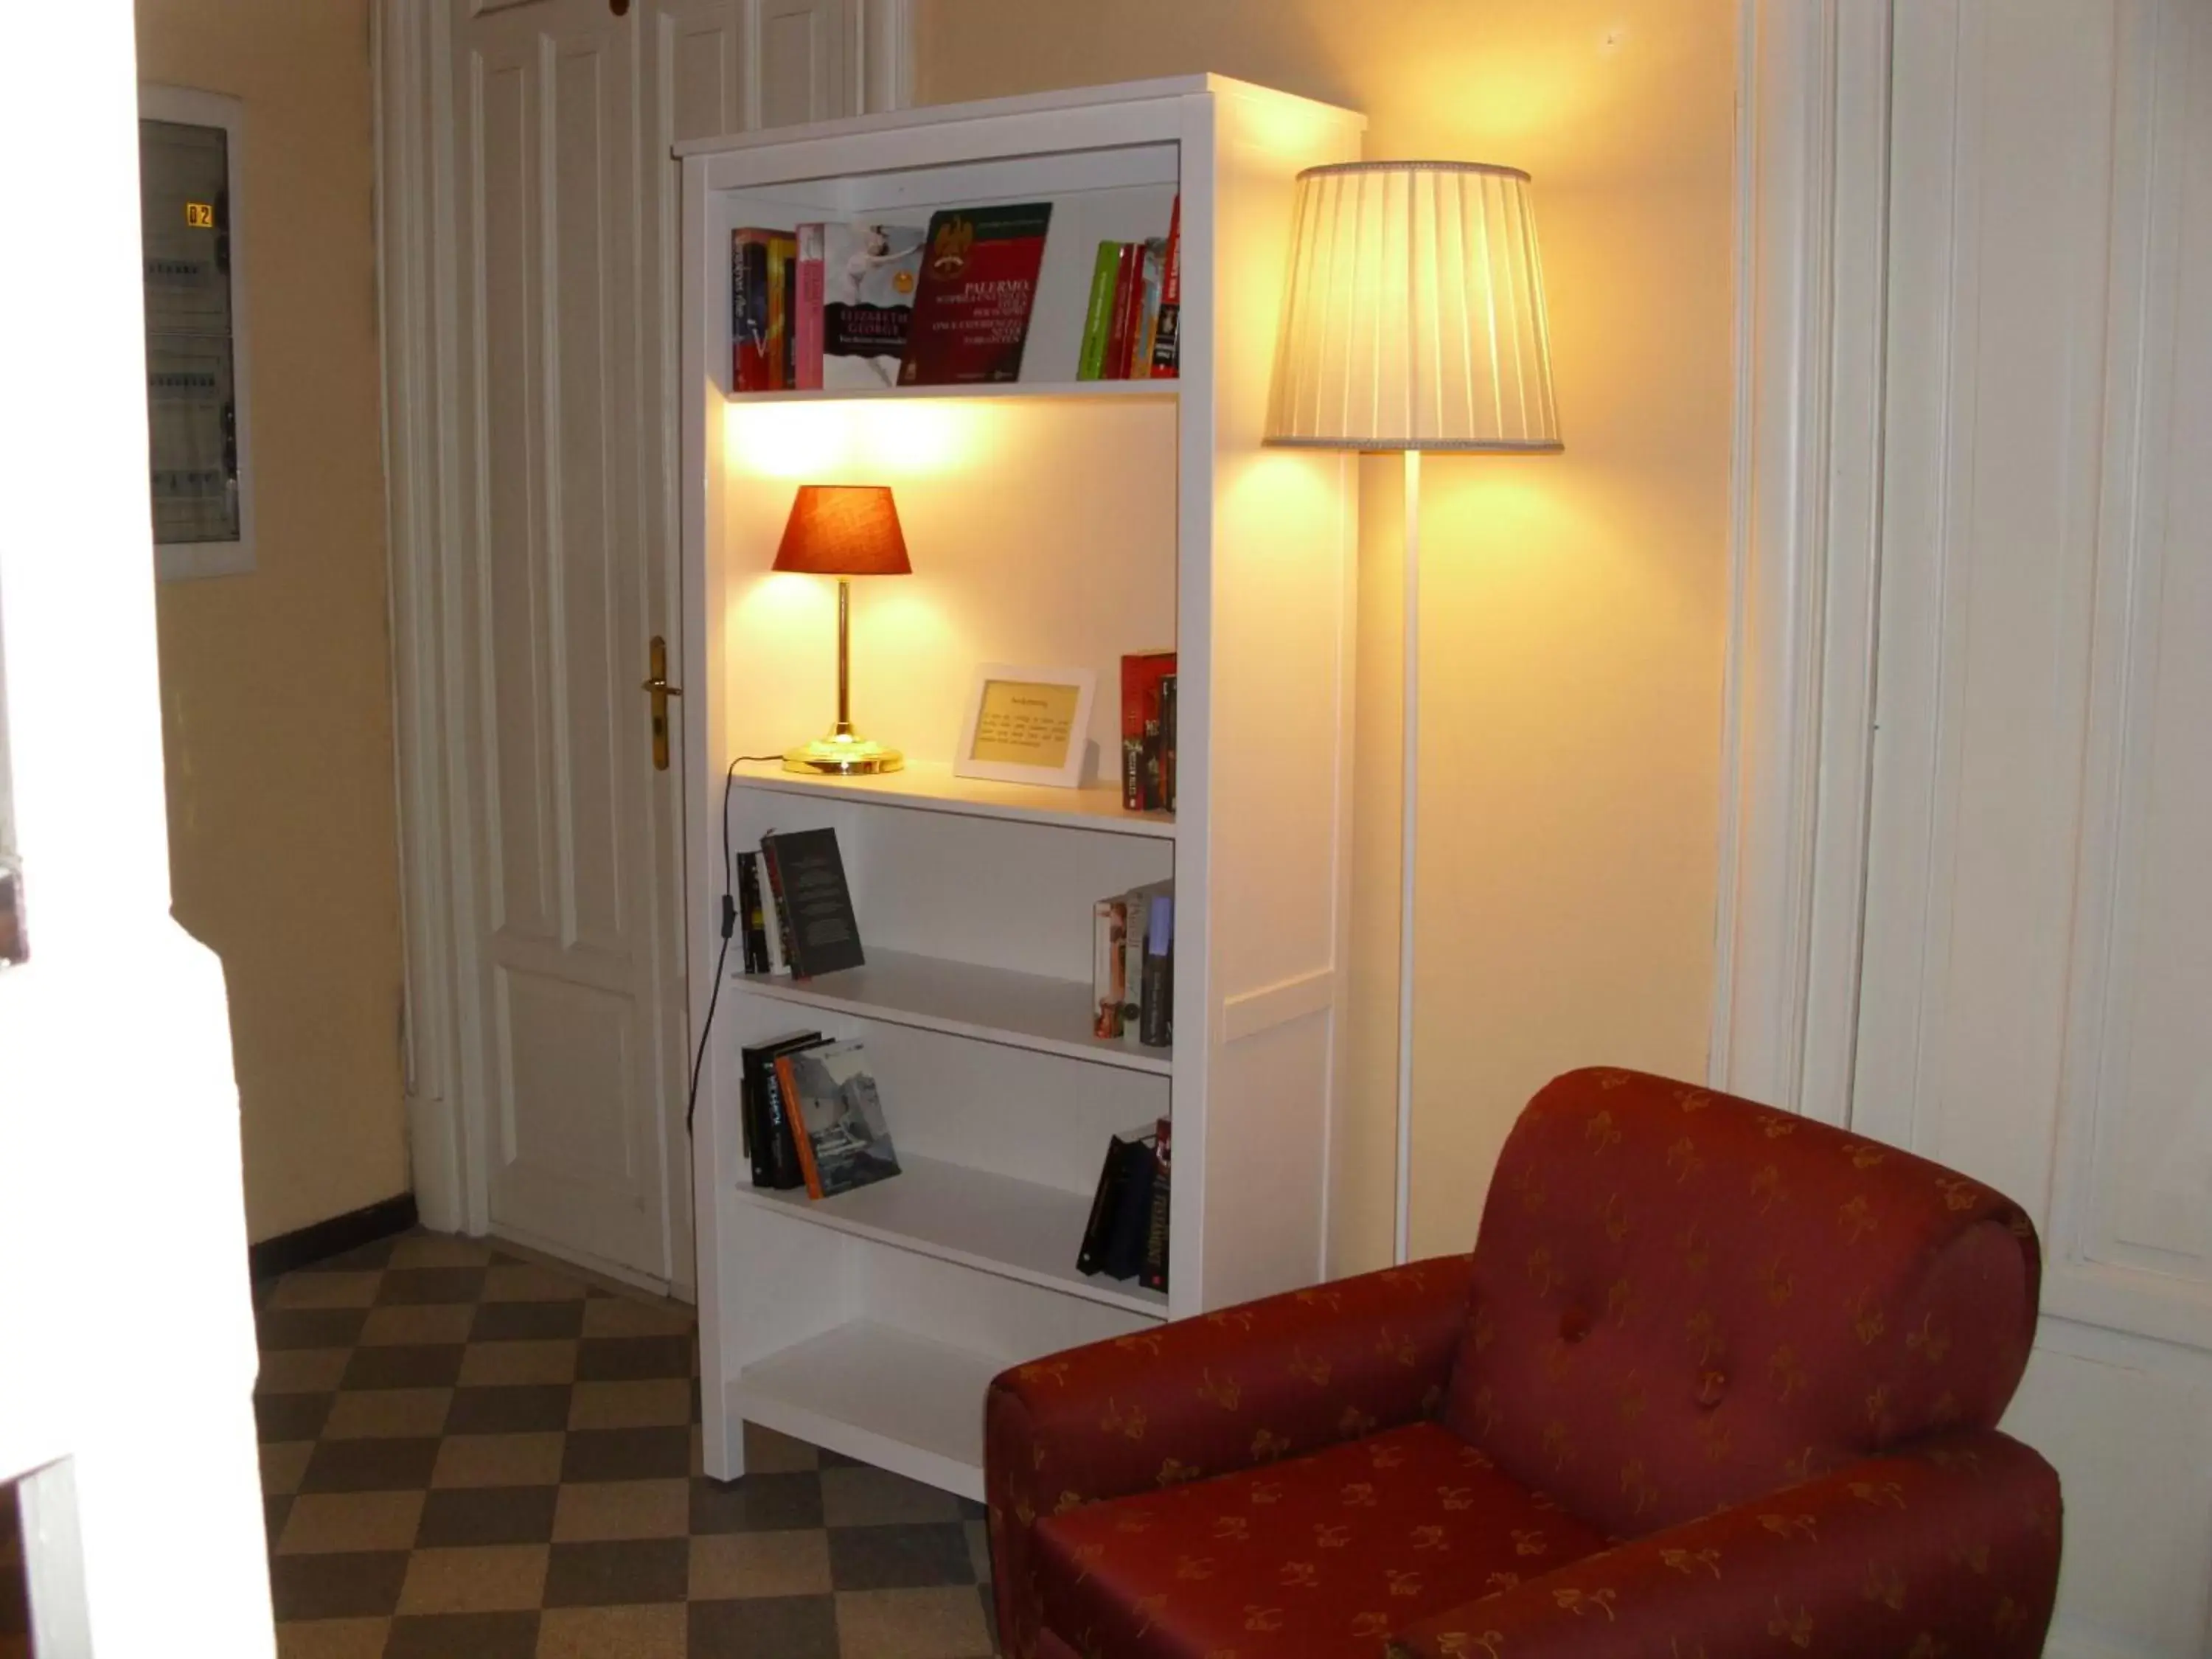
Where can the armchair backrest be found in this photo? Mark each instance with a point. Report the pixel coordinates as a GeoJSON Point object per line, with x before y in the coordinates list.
{"type": "Point", "coordinates": [1682, 1300]}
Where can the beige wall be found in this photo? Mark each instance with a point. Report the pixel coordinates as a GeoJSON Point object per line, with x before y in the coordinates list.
{"type": "Point", "coordinates": [276, 686]}
{"type": "Point", "coordinates": [1574, 610]}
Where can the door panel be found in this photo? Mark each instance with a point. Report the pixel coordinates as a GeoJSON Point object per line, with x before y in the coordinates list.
{"type": "Point", "coordinates": [802, 61]}
{"type": "Point", "coordinates": [2036, 973]}
{"type": "Point", "coordinates": [564, 116]}
{"type": "Point", "coordinates": [548, 108]}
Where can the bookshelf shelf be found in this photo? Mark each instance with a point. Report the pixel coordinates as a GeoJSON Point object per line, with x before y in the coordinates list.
{"type": "Point", "coordinates": [1017, 1229]}
{"type": "Point", "coordinates": [932, 786]}
{"type": "Point", "coordinates": [1053, 522]}
{"type": "Point", "coordinates": [992, 1005]}
{"type": "Point", "coordinates": [902, 1402]}
{"type": "Point", "coordinates": [1078, 389]}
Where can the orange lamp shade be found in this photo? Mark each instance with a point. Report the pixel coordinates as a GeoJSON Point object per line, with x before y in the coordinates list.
{"type": "Point", "coordinates": [843, 530]}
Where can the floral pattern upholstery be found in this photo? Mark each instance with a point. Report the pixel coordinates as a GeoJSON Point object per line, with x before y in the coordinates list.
{"type": "Point", "coordinates": [1312, 1558]}
{"type": "Point", "coordinates": [1227, 1391]}
{"type": "Point", "coordinates": [1947, 1550]}
{"type": "Point", "coordinates": [1683, 1300]}
{"type": "Point", "coordinates": [1742, 1371]}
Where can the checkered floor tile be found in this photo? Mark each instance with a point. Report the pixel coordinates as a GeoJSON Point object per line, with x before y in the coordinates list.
{"type": "Point", "coordinates": [469, 1454]}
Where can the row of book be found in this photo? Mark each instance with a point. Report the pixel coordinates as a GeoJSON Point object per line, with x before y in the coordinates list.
{"type": "Point", "coordinates": [1131, 328]}
{"type": "Point", "coordinates": [1126, 1235]}
{"type": "Point", "coordinates": [1132, 966]}
{"type": "Point", "coordinates": [811, 1116]}
{"type": "Point", "coordinates": [799, 880]}
{"type": "Point", "coordinates": [854, 307]}
{"type": "Point", "coordinates": [1148, 731]}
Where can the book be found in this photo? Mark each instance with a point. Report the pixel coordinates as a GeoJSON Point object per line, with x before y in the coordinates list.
{"type": "Point", "coordinates": [1142, 672]}
{"type": "Point", "coordinates": [1128, 274]}
{"type": "Point", "coordinates": [781, 936]}
{"type": "Point", "coordinates": [782, 272]}
{"type": "Point", "coordinates": [751, 917]}
{"type": "Point", "coordinates": [869, 272]}
{"type": "Point", "coordinates": [1123, 1256]}
{"type": "Point", "coordinates": [1168, 742]}
{"type": "Point", "coordinates": [1106, 1200]}
{"type": "Point", "coordinates": [1151, 262]}
{"type": "Point", "coordinates": [1153, 1275]}
{"type": "Point", "coordinates": [842, 1137]}
{"type": "Point", "coordinates": [1109, 970]}
{"type": "Point", "coordinates": [1166, 361]}
{"type": "Point", "coordinates": [806, 310]}
{"type": "Point", "coordinates": [807, 875]}
{"type": "Point", "coordinates": [979, 274]}
{"type": "Point", "coordinates": [1137, 903]}
{"type": "Point", "coordinates": [769, 1144]}
{"type": "Point", "coordinates": [750, 309]}
{"type": "Point", "coordinates": [1156, 994]}
{"type": "Point", "coordinates": [1098, 315]}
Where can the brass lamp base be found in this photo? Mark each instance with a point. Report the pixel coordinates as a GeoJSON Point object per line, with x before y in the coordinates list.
{"type": "Point", "coordinates": [843, 754]}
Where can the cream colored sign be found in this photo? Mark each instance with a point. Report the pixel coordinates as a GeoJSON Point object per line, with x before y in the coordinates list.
{"type": "Point", "coordinates": [1025, 723]}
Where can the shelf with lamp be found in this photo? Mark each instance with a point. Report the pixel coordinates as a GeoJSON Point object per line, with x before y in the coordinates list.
{"type": "Point", "coordinates": [1050, 522]}
{"type": "Point", "coordinates": [1414, 322]}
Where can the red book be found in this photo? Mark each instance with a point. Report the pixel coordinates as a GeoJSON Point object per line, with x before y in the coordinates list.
{"type": "Point", "coordinates": [1132, 335]}
{"type": "Point", "coordinates": [971, 314]}
{"type": "Point", "coordinates": [1165, 360]}
{"type": "Point", "coordinates": [806, 311]}
{"type": "Point", "coordinates": [1128, 279]}
{"type": "Point", "coordinates": [787, 1079]}
{"type": "Point", "coordinates": [1141, 674]}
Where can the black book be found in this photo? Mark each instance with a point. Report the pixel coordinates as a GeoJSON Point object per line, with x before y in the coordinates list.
{"type": "Point", "coordinates": [1133, 1215]}
{"type": "Point", "coordinates": [1154, 1275]}
{"type": "Point", "coordinates": [1105, 1202]}
{"type": "Point", "coordinates": [750, 916]}
{"type": "Point", "coordinates": [774, 1155]}
{"type": "Point", "coordinates": [1168, 743]}
{"type": "Point", "coordinates": [808, 877]}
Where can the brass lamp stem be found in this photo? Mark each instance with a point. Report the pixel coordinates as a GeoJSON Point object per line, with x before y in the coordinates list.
{"type": "Point", "coordinates": [844, 658]}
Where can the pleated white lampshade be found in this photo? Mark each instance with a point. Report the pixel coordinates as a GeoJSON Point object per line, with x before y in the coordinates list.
{"type": "Point", "coordinates": [1415, 314]}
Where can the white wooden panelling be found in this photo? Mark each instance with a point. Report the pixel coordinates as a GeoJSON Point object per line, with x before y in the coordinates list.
{"type": "Point", "coordinates": [1812, 187]}
{"type": "Point", "coordinates": [801, 57]}
{"type": "Point", "coordinates": [2037, 967]}
{"type": "Point", "coordinates": [580, 1067]}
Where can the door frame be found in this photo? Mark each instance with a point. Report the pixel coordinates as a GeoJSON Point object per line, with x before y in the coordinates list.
{"type": "Point", "coordinates": [1805, 524]}
{"type": "Point", "coordinates": [445, 1043]}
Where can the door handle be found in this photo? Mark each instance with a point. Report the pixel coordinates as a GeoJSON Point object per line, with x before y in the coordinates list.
{"type": "Point", "coordinates": [657, 687]}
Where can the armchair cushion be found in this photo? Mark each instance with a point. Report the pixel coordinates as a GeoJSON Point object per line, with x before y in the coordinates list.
{"type": "Point", "coordinates": [1948, 1549]}
{"type": "Point", "coordinates": [1320, 1556]}
{"type": "Point", "coordinates": [1271, 1379]}
{"type": "Point", "coordinates": [1683, 1299]}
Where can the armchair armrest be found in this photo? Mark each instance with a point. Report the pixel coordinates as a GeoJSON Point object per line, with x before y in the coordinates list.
{"type": "Point", "coordinates": [1949, 1548]}
{"type": "Point", "coordinates": [1332, 1363]}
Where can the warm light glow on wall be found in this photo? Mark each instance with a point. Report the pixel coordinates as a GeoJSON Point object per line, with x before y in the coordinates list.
{"type": "Point", "coordinates": [880, 441]}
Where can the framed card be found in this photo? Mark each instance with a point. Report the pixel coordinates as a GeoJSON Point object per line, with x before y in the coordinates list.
{"type": "Point", "coordinates": [1026, 725]}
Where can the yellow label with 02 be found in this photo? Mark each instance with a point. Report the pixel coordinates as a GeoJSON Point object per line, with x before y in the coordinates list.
{"type": "Point", "coordinates": [200, 215]}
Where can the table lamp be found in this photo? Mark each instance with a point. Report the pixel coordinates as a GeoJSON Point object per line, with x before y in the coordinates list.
{"type": "Point", "coordinates": [1414, 321]}
{"type": "Point", "coordinates": [843, 531]}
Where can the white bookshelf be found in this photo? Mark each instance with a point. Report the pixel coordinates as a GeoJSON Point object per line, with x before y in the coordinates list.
{"type": "Point", "coordinates": [1050, 521]}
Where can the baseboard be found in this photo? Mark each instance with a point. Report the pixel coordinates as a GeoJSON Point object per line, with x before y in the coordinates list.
{"type": "Point", "coordinates": [335, 1236]}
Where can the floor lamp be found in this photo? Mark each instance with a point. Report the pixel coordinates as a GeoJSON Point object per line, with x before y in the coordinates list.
{"type": "Point", "coordinates": [1414, 321]}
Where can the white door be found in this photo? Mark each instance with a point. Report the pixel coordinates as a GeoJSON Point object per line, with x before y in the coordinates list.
{"type": "Point", "coordinates": [575, 896]}
{"type": "Point", "coordinates": [564, 113]}
{"type": "Point", "coordinates": [2037, 983]}
{"type": "Point", "coordinates": [126, 1336]}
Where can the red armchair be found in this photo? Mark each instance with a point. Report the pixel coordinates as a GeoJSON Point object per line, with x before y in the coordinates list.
{"type": "Point", "coordinates": [1717, 1382]}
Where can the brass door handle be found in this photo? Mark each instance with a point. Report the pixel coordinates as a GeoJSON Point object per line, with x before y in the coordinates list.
{"type": "Point", "coordinates": [657, 685]}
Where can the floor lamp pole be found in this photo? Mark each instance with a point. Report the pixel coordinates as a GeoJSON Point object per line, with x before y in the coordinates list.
{"type": "Point", "coordinates": [1409, 797]}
